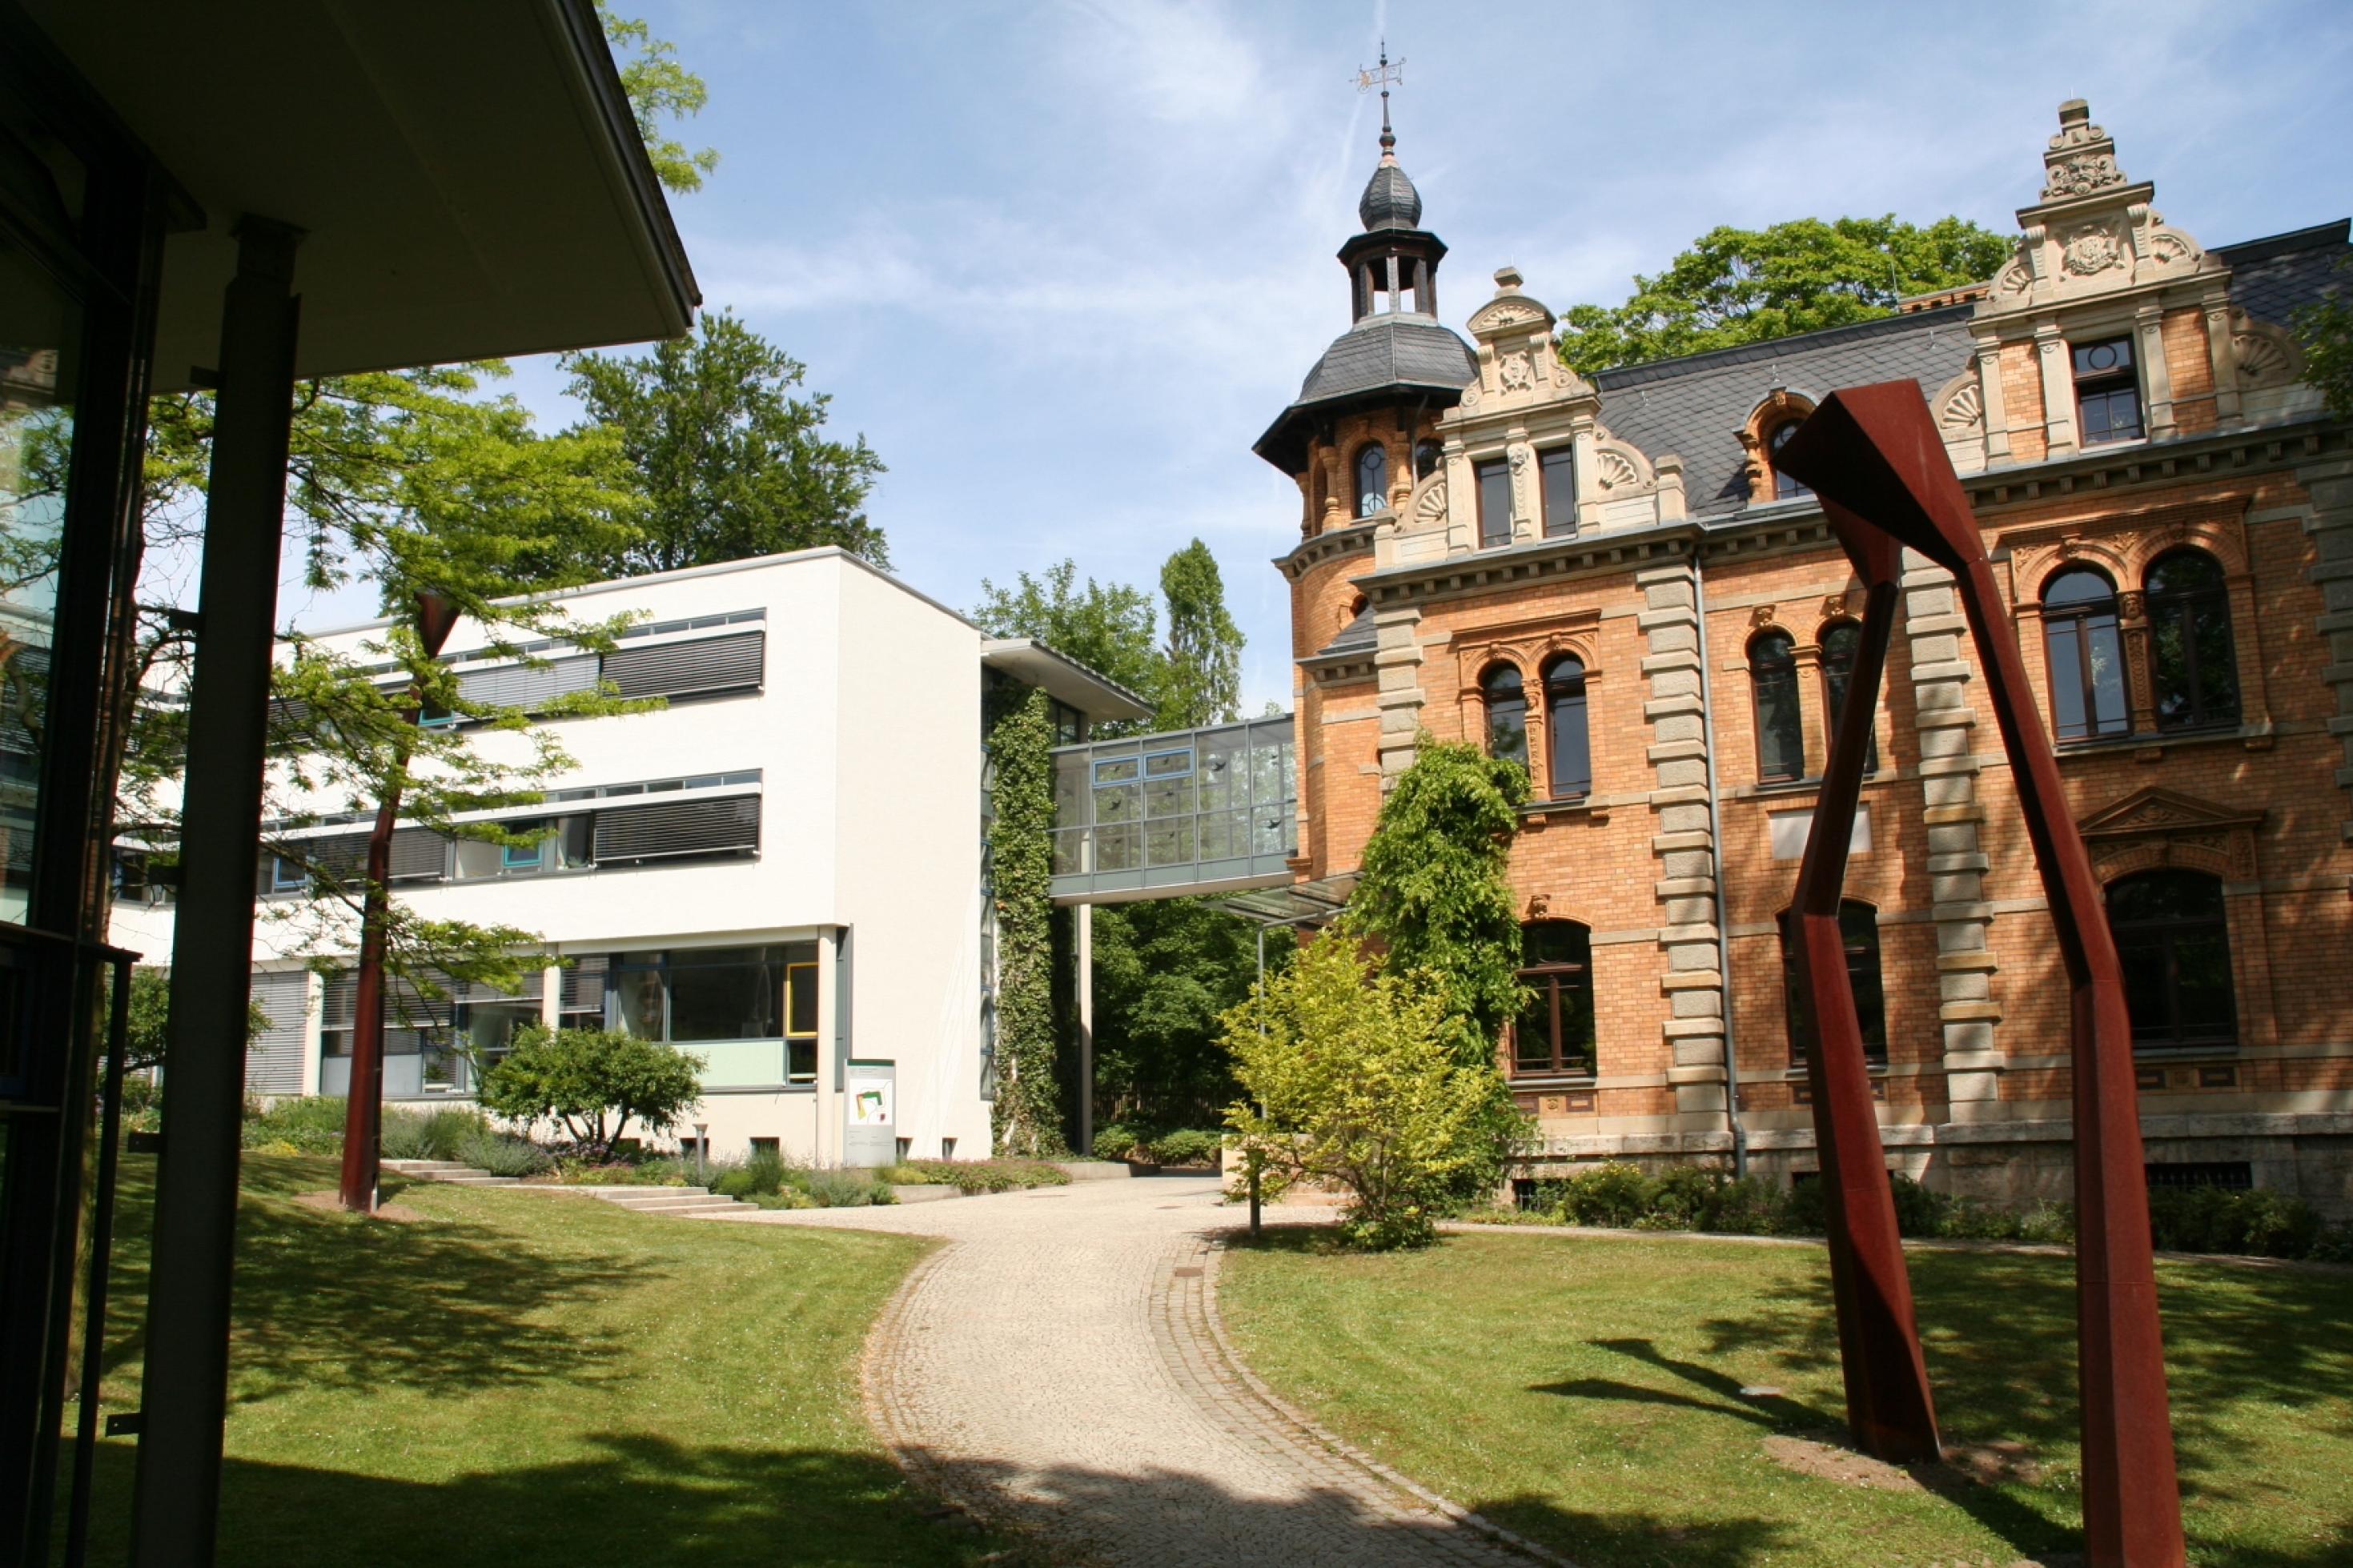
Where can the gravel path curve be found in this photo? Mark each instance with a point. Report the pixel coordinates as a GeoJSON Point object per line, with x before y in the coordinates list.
{"type": "Point", "coordinates": [1058, 1365]}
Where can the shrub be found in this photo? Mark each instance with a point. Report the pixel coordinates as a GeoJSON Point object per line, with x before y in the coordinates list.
{"type": "Point", "coordinates": [1805, 1211]}
{"type": "Point", "coordinates": [1918, 1211]}
{"type": "Point", "coordinates": [1613, 1193]}
{"type": "Point", "coordinates": [906, 1177]}
{"type": "Point", "coordinates": [762, 1176]}
{"type": "Point", "coordinates": [2215, 1219]}
{"type": "Point", "coordinates": [1117, 1141]}
{"type": "Point", "coordinates": [1355, 1081]}
{"type": "Point", "coordinates": [837, 1188]}
{"type": "Point", "coordinates": [594, 1082]}
{"type": "Point", "coordinates": [502, 1155]}
{"type": "Point", "coordinates": [973, 1177]}
{"type": "Point", "coordinates": [428, 1135]}
{"type": "Point", "coordinates": [1187, 1146]}
{"type": "Point", "coordinates": [1682, 1196]}
{"type": "Point", "coordinates": [310, 1125]}
{"type": "Point", "coordinates": [1748, 1205]}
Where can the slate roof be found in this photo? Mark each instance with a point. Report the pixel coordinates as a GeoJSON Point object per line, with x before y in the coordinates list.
{"type": "Point", "coordinates": [2271, 278]}
{"type": "Point", "coordinates": [1357, 637]}
{"type": "Point", "coordinates": [1389, 200]}
{"type": "Point", "coordinates": [1380, 356]}
{"type": "Point", "coordinates": [1696, 406]}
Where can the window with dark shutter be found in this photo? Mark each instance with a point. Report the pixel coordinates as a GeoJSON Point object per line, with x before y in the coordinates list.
{"type": "Point", "coordinates": [528, 688]}
{"type": "Point", "coordinates": [419, 855]}
{"type": "Point", "coordinates": [703, 667]}
{"type": "Point", "coordinates": [679, 829]}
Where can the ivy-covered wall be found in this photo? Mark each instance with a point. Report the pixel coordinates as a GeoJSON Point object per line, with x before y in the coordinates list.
{"type": "Point", "coordinates": [1027, 1111]}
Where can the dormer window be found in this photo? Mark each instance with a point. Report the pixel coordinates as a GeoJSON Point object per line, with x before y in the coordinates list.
{"type": "Point", "coordinates": [1557, 466]}
{"type": "Point", "coordinates": [2107, 392]}
{"type": "Point", "coordinates": [1785, 486]}
{"type": "Point", "coordinates": [1372, 479]}
{"type": "Point", "coordinates": [1495, 477]}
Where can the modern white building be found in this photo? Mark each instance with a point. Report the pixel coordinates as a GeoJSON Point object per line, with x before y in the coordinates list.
{"type": "Point", "coordinates": [780, 870]}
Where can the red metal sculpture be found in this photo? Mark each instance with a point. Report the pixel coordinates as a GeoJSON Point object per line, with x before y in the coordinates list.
{"type": "Point", "coordinates": [1873, 456]}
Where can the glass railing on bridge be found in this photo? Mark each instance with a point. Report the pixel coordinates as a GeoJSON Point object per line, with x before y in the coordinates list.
{"type": "Point", "coordinates": [1183, 812]}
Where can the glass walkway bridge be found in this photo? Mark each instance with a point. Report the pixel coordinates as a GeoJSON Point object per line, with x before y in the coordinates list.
{"type": "Point", "coordinates": [1212, 810]}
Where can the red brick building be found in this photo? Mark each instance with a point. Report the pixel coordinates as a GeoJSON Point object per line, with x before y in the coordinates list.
{"type": "Point", "coordinates": [1608, 579]}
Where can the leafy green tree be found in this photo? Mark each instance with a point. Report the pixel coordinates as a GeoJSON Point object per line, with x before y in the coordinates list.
{"type": "Point", "coordinates": [1167, 973]}
{"type": "Point", "coordinates": [149, 1010]}
{"type": "Point", "coordinates": [1435, 892]}
{"type": "Point", "coordinates": [1109, 628]}
{"type": "Point", "coordinates": [1743, 286]}
{"type": "Point", "coordinates": [2325, 328]}
{"type": "Point", "coordinates": [1353, 1079]}
{"type": "Point", "coordinates": [1201, 668]}
{"type": "Point", "coordinates": [592, 1083]}
{"type": "Point", "coordinates": [1027, 1111]}
{"type": "Point", "coordinates": [660, 90]}
{"type": "Point", "coordinates": [728, 462]}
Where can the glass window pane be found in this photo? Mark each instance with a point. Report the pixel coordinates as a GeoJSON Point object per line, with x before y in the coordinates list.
{"type": "Point", "coordinates": [1495, 477]}
{"type": "Point", "coordinates": [39, 334]}
{"type": "Point", "coordinates": [2065, 649]}
{"type": "Point", "coordinates": [1372, 479]}
{"type": "Point", "coordinates": [1572, 751]}
{"type": "Point", "coordinates": [800, 998]}
{"type": "Point", "coordinates": [1531, 1034]}
{"type": "Point", "coordinates": [636, 1002]}
{"type": "Point", "coordinates": [725, 993]}
{"type": "Point", "coordinates": [1780, 727]}
{"type": "Point", "coordinates": [1559, 466]}
{"type": "Point", "coordinates": [2105, 651]}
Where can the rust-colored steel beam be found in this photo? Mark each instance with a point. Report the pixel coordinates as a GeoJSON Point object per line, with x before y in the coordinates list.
{"type": "Point", "coordinates": [1889, 1408]}
{"type": "Point", "coordinates": [1874, 453]}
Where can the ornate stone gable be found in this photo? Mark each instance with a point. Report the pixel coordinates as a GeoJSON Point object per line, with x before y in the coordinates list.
{"type": "Point", "coordinates": [2157, 826]}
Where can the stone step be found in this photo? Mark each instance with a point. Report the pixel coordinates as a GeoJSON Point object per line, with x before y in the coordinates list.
{"type": "Point", "coordinates": [665, 1202]}
{"type": "Point", "coordinates": [473, 1179]}
{"type": "Point", "coordinates": [430, 1167]}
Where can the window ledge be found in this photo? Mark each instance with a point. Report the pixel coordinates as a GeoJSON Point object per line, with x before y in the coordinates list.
{"type": "Point", "coordinates": [2152, 744]}
{"type": "Point", "coordinates": [2184, 1055]}
{"type": "Point", "coordinates": [1546, 1080]}
{"type": "Point", "coordinates": [1586, 806]}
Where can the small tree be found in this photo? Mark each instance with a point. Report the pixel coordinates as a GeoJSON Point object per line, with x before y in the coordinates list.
{"type": "Point", "coordinates": [1436, 892]}
{"type": "Point", "coordinates": [592, 1083]}
{"type": "Point", "coordinates": [2325, 327]}
{"type": "Point", "coordinates": [150, 1011]}
{"type": "Point", "coordinates": [1353, 1080]}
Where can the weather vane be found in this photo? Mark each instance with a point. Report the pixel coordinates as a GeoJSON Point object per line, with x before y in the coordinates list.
{"type": "Point", "coordinates": [1383, 76]}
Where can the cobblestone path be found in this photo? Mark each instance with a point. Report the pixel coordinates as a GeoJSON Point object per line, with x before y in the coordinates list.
{"type": "Point", "coordinates": [1058, 1365]}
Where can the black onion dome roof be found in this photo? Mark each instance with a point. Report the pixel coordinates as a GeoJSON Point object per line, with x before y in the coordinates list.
{"type": "Point", "coordinates": [1389, 200]}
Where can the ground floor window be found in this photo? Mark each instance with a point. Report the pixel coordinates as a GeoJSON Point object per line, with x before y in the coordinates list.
{"type": "Point", "coordinates": [1859, 934]}
{"type": "Point", "coordinates": [1554, 1034]}
{"type": "Point", "coordinates": [2175, 946]}
{"type": "Point", "coordinates": [686, 996]}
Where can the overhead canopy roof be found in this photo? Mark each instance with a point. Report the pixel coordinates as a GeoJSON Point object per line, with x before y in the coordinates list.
{"type": "Point", "coordinates": [469, 176]}
{"type": "Point", "coordinates": [1294, 903]}
{"type": "Point", "coordinates": [1062, 678]}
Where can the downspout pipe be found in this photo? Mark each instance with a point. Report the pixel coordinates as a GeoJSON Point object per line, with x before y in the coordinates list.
{"type": "Point", "coordinates": [1716, 839]}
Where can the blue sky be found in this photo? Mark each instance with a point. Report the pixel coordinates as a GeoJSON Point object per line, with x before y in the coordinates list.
{"type": "Point", "coordinates": [1062, 262]}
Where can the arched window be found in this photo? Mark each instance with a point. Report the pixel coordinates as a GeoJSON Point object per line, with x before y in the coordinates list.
{"type": "Point", "coordinates": [2176, 947]}
{"type": "Point", "coordinates": [1780, 728]}
{"type": "Point", "coordinates": [1571, 748]}
{"type": "Point", "coordinates": [1554, 1034]}
{"type": "Point", "coordinates": [1427, 455]}
{"type": "Point", "coordinates": [1784, 486]}
{"type": "Point", "coordinates": [2087, 657]}
{"type": "Point", "coordinates": [2194, 668]}
{"type": "Point", "coordinates": [1507, 713]}
{"type": "Point", "coordinates": [1841, 640]}
{"type": "Point", "coordinates": [1859, 934]}
{"type": "Point", "coordinates": [1372, 479]}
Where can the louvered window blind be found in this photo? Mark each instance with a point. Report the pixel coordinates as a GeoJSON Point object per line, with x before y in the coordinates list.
{"type": "Point", "coordinates": [702, 666]}
{"type": "Point", "coordinates": [521, 686]}
{"type": "Point", "coordinates": [640, 833]}
{"type": "Point", "coordinates": [273, 1060]}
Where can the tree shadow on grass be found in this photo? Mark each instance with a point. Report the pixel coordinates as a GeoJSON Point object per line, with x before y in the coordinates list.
{"type": "Point", "coordinates": [324, 1299]}
{"type": "Point", "coordinates": [1999, 1332]}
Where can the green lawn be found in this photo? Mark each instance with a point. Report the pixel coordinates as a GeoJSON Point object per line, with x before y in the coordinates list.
{"type": "Point", "coordinates": [518, 1379]}
{"type": "Point", "coordinates": [1587, 1393]}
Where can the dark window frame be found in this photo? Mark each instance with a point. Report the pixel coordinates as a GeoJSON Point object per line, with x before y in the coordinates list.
{"type": "Point", "coordinates": [1556, 470]}
{"type": "Point", "coordinates": [1841, 643]}
{"type": "Point", "coordinates": [2106, 390]}
{"type": "Point", "coordinates": [1488, 475]}
{"type": "Point", "coordinates": [1494, 694]}
{"type": "Point", "coordinates": [2188, 705]}
{"type": "Point", "coordinates": [1566, 717]}
{"type": "Point", "coordinates": [1785, 486]}
{"type": "Point", "coordinates": [1778, 671]}
{"type": "Point", "coordinates": [1375, 499]}
{"type": "Point", "coordinates": [2138, 938]}
{"type": "Point", "coordinates": [2075, 624]}
{"type": "Point", "coordinates": [1866, 978]}
{"type": "Point", "coordinates": [1564, 989]}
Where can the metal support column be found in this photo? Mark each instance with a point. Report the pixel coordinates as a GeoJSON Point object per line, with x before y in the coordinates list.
{"type": "Point", "coordinates": [176, 1497]}
{"type": "Point", "coordinates": [1083, 922]}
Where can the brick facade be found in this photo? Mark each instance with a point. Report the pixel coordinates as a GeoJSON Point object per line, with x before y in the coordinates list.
{"type": "Point", "coordinates": [1680, 855]}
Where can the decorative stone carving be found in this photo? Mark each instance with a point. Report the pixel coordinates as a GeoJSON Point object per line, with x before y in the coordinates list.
{"type": "Point", "coordinates": [1517, 374]}
{"type": "Point", "coordinates": [1469, 397]}
{"type": "Point", "coordinates": [1962, 414]}
{"type": "Point", "coordinates": [2163, 826]}
{"type": "Point", "coordinates": [1762, 616]}
{"type": "Point", "coordinates": [1835, 605]}
{"type": "Point", "coordinates": [2083, 173]}
{"type": "Point", "coordinates": [1432, 508]}
{"type": "Point", "coordinates": [2092, 249]}
{"type": "Point", "coordinates": [1617, 471]}
{"type": "Point", "coordinates": [2017, 278]}
{"type": "Point", "coordinates": [2264, 354]}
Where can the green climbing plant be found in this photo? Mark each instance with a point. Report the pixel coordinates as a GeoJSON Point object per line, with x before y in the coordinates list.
{"type": "Point", "coordinates": [1436, 893]}
{"type": "Point", "coordinates": [1027, 1116]}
